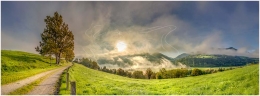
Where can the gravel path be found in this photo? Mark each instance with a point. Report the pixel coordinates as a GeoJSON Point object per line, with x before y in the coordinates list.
{"type": "Point", "coordinates": [47, 86]}
{"type": "Point", "coordinates": [5, 89]}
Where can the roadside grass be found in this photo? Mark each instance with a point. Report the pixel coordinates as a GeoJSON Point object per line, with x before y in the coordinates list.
{"type": "Point", "coordinates": [239, 81]}
{"type": "Point", "coordinates": [17, 65]}
{"type": "Point", "coordinates": [27, 88]}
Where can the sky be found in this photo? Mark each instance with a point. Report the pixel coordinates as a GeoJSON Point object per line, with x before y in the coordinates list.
{"type": "Point", "coordinates": [169, 27]}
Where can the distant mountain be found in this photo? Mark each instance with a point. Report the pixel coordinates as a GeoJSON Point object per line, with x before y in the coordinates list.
{"type": "Point", "coordinates": [204, 60]}
{"type": "Point", "coordinates": [126, 60]}
{"type": "Point", "coordinates": [192, 60]}
{"type": "Point", "coordinates": [144, 59]}
{"type": "Point", "coordinates": [181, 56]}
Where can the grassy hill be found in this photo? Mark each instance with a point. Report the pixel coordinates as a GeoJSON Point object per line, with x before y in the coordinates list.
{"type": "Point", "coordinates": [17, 65]}
{"type": "Point", "coordinates": [238, 81]}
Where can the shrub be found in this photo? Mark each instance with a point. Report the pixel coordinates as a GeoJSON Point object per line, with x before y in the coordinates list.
{"type": "Point", "coordinates": [159, 75]}
{"type": "Point", "coordinates": [196, 72]}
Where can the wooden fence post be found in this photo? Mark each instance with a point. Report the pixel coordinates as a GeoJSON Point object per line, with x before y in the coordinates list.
{"type": "Point", "coordinates": [73, 88]}
{"type": "Point", "coordinates": [67, 81]}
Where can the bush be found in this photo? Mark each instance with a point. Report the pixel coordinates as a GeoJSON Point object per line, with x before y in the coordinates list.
{"type": "Point", "coordinates": [209, 71]}
{"type": "Point", "coordinates": [159, 75]}
{"type": "Point", "coordinates": [221, 69]}
{"type": "Point", "coordinates": [196, 72]}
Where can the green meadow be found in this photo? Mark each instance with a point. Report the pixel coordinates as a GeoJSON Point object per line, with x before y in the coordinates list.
{"type": "Point", "coordinates": [17, 65]}
{"type": "Point", "coordinates": [238, 81]}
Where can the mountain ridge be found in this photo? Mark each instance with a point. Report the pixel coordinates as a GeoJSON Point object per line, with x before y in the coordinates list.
{"type": "Point", "coordinates": [192, 60]}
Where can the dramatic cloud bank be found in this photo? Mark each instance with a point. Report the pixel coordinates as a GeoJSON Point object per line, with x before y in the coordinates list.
{"type": "Point", "coordinates": [167, 27]}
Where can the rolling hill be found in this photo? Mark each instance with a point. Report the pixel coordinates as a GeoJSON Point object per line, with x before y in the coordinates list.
{"type": "Point", "coordinates": [92, 82]}
{"type": "Point", "coordinates": [17, 65]}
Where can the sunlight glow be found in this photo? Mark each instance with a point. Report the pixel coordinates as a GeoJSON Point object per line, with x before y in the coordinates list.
{"type": "Point", "coordinates": [121, 46]}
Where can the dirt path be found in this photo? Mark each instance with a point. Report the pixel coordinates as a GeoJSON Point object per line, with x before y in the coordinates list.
{"type": "Point", "coordinates": [47, 86]}
{"type": "Point", "coordinates": [5, 89]}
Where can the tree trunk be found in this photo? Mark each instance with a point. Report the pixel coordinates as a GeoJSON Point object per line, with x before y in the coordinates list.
{"type": "Point", "coordinates": [59, 58]}
{"type": "Point", "coordinates": [56, 56]}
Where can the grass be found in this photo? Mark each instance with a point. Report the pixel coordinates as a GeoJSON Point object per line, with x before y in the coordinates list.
{"type": "Point", "coordinates": [17, 65]}
{"type": "Point", "coordinates": [27, 88]}
{"type": "Point", "coordinates": [237, 81]}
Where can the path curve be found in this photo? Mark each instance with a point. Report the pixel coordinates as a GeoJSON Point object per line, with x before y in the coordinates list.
{"type": "Point", "coordinates": [5, 89]}
{"type": "Point", "coordinates": [47, 86]}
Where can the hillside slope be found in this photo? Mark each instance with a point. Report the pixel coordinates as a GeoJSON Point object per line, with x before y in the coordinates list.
{"type": "Point", "coordinates": [238, 81]}
{"type": "Point", "coordinates": [192, 60]}
{"type": "Point", "coordinates": [213, 60]}
{"type": "Point", "coordinates": [17, 65]}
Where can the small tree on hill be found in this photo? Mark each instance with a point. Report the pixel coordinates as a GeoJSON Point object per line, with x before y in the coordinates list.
{"type": "Point", "coordinates": [148, 73]}
{"type": "Point", "coordinates": [120, 71]}
{"type": "Point", "coordinates": [95, 65]}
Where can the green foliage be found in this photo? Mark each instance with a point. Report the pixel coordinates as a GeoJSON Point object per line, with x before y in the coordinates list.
{"type": "Point", "coordinates": [196, 72]}
{"type": "Point", "coordinates": [89, 63]}
{"type": "Point", "coordinates": [162, 74]}
{"type": "Point", "coordinates": [138, 75]}
{"type": "Point", "coordinates": [173, 73]}
{"type": "Point", "coordinates": [210, 71]}
{"type": "Point", "coordinates": [204, 60]}
{"type": "Point", "coordinates": [159, 75]}
{"type": "Point", "coordinates": [57, 39]}
{"type": "Point", "coordinates": [95, 65]}
{"type": "Point", "coordinates": [120, 71]}
{"type": "Point", "coordinates": [153, 76]}
{"type": "Point", "coordinates": [17, 65]}
{"type": "Point", "coordinates": [148, 73]}
{"type": "Point", "coordinates": [240, 81]}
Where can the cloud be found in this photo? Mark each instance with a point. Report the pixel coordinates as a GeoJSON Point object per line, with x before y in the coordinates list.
{"type": "Point", "coordinates": [143, 26]}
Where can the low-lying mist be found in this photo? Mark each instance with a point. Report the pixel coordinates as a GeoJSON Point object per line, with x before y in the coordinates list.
{"type": "Point", "coordinates": [141, 64]}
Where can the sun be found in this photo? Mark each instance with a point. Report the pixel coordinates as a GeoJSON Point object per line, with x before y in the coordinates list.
{"type": "Point", "coordinates": [121, 46]}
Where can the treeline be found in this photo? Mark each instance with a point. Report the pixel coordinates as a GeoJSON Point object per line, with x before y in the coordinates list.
{"type": "Point", "coordinates": [216, 60]}
{"type": "Point", "coordinates": [149, 74]}
{"type": "Point", "coordinates": [88, 63]}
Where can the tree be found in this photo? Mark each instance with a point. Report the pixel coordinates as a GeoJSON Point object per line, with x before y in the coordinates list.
{"type": "Point", "coordinates": [153, 76]}
{"type": "Point", "coordinates": [57, 39]}
{"type": "Point", "coordinates": [148, 73]}
{"type": "Point", "coordinates": [95, 65]}
{"type": "Point", "coordinates": [120, 72]}
{"type": "Point", "coordinates": [138, 75]}
{"type": "Point", "coordinates": [128, 74]}
{"type": "Point", "coordinates": [104, 69]}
